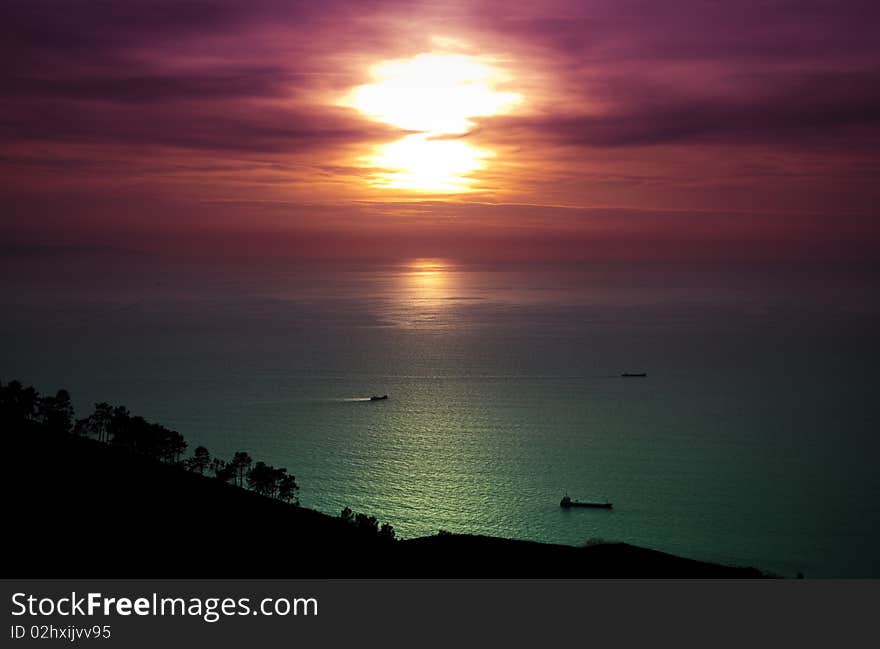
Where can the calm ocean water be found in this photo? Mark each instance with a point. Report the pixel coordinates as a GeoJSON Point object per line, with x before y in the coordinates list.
{"type": "Point", "coordinates": [753, 440]}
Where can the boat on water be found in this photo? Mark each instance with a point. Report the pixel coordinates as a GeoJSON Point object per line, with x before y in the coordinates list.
{"type": "Point", "coordinates": [634, 375]}
{"type": "Point", "coordinates": [567, 503]}
{"type": "Point", "coordinates": [382, 398]}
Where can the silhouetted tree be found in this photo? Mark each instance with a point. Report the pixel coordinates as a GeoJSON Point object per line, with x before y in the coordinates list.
{"type": "Point", "coordinates": [18, 404]}
{"type": "Point", "coordinates": [137, 434]}
{"type": "Point", "coordinates": [131, 432]}
{"type": "Point", "coordinates": [100, 421]}
{"type": "Point", "coordinates": [172, 445]}
{"type": "Point", "coordinates": [386, 532]}
{"type": "Point", "coordinates": [56, 412]}
{"type": "Point", "coordinates": [241, 462]}
{"type": "Point", "coordinates": [117, 426]}
{"type": "Point", "coordinates": [287, 488]}
{"type": "Point", "coordinates": [267, 480]}
{"type": "Point", "coordinates": [81, 427]}
{"type": "Point", "coordinates": [222, 470]}
{"type": "Point", "coordinates": [120, 422]}
{"type": "Point", "coordinates": [261, 478]}
{"type": "Point", "coordinates": [278, 475]}
{"type": "Point", "coordinates": [29, 401]}
{"type": "Point", "coordinates": [200, 460]}
{"type": "Point", "coordinates": [366, 523]}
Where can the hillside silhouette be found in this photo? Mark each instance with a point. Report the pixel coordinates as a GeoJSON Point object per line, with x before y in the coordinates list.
{"type": "Point", "coordinates": [81, 501]}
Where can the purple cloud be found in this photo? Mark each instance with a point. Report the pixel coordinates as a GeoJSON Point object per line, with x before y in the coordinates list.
{"type": "Point", "coordinates": [632, 103]}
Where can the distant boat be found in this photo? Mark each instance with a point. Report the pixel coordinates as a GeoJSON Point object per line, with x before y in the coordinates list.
{"type": "Point", "coordinates": [567, 503]}
{"type": "Point", "coordinates": [384, 396]}
{"type": "Point", "coordinates": [634, 375]}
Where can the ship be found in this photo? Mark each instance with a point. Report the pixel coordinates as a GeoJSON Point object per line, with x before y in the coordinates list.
{"type": "Point", "coordinates": [374, 398]}
{"type": "Point", "coordinates": [634, 375]}
{"type": "Point", "coordinates": [567, 503]}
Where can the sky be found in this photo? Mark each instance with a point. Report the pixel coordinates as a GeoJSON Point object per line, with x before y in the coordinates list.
{"type": "Point", "coordinates": [559, 130]}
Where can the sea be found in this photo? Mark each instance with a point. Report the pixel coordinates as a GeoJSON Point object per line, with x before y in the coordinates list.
{"type": "Point", "coordinates": [753, 440]}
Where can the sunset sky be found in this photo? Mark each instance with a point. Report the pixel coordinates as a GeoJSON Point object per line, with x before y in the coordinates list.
{"type": "Point", "coordinates": [612, 129]}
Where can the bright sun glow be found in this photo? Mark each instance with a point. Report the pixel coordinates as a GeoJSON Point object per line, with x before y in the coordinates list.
{"type": "Point", "coordinates": [426, 279]}
{"type": "Point", "coordinates": [432, 93]}
{"type": "Point", "coordinates": [418, 162]}
{"type": "Point", "coordinates": [437, 96]}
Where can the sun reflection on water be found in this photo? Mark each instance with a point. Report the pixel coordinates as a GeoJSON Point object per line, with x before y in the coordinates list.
{"type": "Point", "coordinates": [423, 289]}
{"type": "Point", "coordinates": [429, 277]}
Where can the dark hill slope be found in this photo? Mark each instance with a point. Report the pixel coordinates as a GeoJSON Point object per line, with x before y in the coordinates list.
{"type": "Point", "coordinates": [75, 507]}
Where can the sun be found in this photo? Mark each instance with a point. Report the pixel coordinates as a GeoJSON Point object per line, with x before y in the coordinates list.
{"type": "Point", "coordinates": [438, 98]}
{"type": "Point", "coordinates": [421, 163]}
{"type": "Point", "coordinates": [433, 93]}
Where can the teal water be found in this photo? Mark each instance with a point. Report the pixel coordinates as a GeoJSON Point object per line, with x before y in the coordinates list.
{"type": "Point", "coordinates": [753, 440]}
